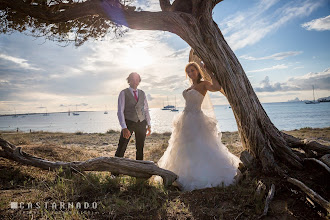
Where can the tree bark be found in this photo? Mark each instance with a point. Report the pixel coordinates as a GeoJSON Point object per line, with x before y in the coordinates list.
{"type": "Point", "coordinates": [135, 168]}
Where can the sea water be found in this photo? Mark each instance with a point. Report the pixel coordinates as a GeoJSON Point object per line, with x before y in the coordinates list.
{"type": "Point", "coordinates": [285, 116]}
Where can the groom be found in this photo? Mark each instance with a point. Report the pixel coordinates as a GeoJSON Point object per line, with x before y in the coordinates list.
{"type": "Point", "coordinates": [133, 115]}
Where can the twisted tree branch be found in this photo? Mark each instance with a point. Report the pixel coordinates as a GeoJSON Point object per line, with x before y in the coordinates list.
{"type": "Point", "coordinates": [165, 5]}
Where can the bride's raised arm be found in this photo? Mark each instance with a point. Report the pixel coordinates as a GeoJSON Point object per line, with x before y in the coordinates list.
{"type": "Point", "coordinates": [214, 86]}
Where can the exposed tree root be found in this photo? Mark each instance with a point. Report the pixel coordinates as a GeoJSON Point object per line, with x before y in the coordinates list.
{"type": "Point", "coordinates": [323, 165]}
{"type": "Point", "coordinates": [306, 144]}
{"type": "Point", "coordinates": [313, 195]}
{"type": "Point", "coordinates": [326, 159]}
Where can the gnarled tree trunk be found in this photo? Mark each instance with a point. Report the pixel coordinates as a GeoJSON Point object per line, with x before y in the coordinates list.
{"type": "Point", "coordinates": [258, 134]}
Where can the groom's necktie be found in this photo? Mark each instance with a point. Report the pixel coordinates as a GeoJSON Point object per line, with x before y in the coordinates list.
{"type": "Point", "coordinates": [135, 96]}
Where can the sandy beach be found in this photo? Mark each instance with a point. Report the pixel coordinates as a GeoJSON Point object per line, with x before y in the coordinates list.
{"type": "Point", "coordinates": [125, 197]}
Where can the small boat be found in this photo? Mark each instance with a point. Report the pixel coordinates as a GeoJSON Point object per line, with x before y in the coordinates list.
{"type": "Point", "coordinates": [324, 100]}
{"type": "Point", "coordinates": [15, 116]}
{"type": "Point", "coordinates": [174, 107]}
{"type": "Point", "coordinates": [312, 102]}
{"type": "Point", "coordinates": [75, 113]}
{"type": "Point", "coordinates": [105, 112]}
{"type": "Point", "coordinates": [168, 107]}
{"type": "Point", "coordinates": [46, 113]}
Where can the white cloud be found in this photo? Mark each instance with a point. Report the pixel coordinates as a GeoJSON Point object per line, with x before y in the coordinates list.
{"type": "Point", "coordinates": [148, 5]}
{"type": "Point", "coordinates": [276, 56]}
{"type": "Point", "coordinates": [320, 80]}
{"type": "Point", "coordinates": [149, 97]}
{"type": "Point", "coordinates": [183, 53]}
{"type": "Point", "coordinates": [4, 82]}
{"type": "Point", "coordinates": [93, 73]}
{"type": "Point", "coordinates": [250, 26]}
{"type": "Point", "coordinates": [265, 85]}
{"type": "Point", "coordinates": [21, 62]}
{"type": "Point", "coordinates": [276, 67]}
{"type": "Point", "coordinates": [320, 24]}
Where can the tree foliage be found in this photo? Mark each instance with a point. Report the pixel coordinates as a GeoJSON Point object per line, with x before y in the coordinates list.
{"type": "Point", "coordinates": [43, 18]}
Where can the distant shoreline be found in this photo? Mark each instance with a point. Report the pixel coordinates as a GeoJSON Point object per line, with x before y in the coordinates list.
{"type": "Point", "coordinates": [155, 133]}
{"type": "Point", "coordinates": [40, 113]}
{"type": "Point", "coordinates": [224, 105]}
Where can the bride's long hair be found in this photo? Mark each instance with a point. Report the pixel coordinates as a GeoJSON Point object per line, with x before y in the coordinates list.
{"type": "Point", "coordinates": [207, 105]}
{"type": "Point", "coordinates": [200, 71]}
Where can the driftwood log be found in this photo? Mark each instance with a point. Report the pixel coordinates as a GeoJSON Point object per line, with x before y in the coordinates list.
{"type": "Point", "coordinates": [311, 193]}
{"type": "Point", "coordinates": [135, 168]}
{"type": "Point", "coordinates": [269, 198]}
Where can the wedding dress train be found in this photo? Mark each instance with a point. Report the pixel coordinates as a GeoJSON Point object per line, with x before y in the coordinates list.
{"type": "Point", "coordinates": [195, 152]}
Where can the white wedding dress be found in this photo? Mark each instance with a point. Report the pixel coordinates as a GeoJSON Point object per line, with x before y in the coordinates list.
{"type": "Point", "coordinates": [195, 152]}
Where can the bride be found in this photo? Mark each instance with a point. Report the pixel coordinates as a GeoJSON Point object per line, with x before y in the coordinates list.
{"type": "Point", "coordinates": [195, 152]}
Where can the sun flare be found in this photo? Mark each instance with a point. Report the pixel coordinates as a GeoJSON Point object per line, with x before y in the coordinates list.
{"type": "Point", "coordinates": [138, 58]}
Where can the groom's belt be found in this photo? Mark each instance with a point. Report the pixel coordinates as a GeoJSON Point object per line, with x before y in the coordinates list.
{"type": "Point", "coordinates": [134, 121]}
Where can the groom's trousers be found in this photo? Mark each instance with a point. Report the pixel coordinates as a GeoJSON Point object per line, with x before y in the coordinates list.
{"type": "Point", "coordinates": [139, 128]}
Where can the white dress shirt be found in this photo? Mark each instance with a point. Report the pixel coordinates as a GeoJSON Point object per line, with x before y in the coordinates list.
{"type": "Point", "coordinates": [121, 107]}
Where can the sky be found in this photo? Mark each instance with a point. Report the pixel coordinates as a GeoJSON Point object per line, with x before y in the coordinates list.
{"type": "Point", "coordinates": [282, 45]}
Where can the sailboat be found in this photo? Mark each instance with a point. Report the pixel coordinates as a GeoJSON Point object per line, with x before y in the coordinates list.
{"type": "Point", "coordinates": [105, 112]}
{"type": "Point", "coordinates": [313, 102]}
{"type": "Point", "coordinates": [75, 113]}
{"type": "Point", "coordinates": [174, 109]}
{"type": "Point", "coordinates": [15, 116]}
{"type": "Point", "coordinates": [46, 113]}
{"type": "Point", "coordinates": [168, 107]}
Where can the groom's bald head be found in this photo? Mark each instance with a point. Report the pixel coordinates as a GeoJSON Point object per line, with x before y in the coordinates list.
{"type": "Point", "coordinates": [132, 76]}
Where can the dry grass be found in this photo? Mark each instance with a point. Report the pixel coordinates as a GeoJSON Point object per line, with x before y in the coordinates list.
{"type": "Point", "coordinates": [130, 198]}
{"type": "Point", "coordinates": [321, 135]}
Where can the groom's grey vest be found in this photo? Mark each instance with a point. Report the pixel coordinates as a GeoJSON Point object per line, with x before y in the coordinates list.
{"type": "Point", "coordinates": [134, 111]}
